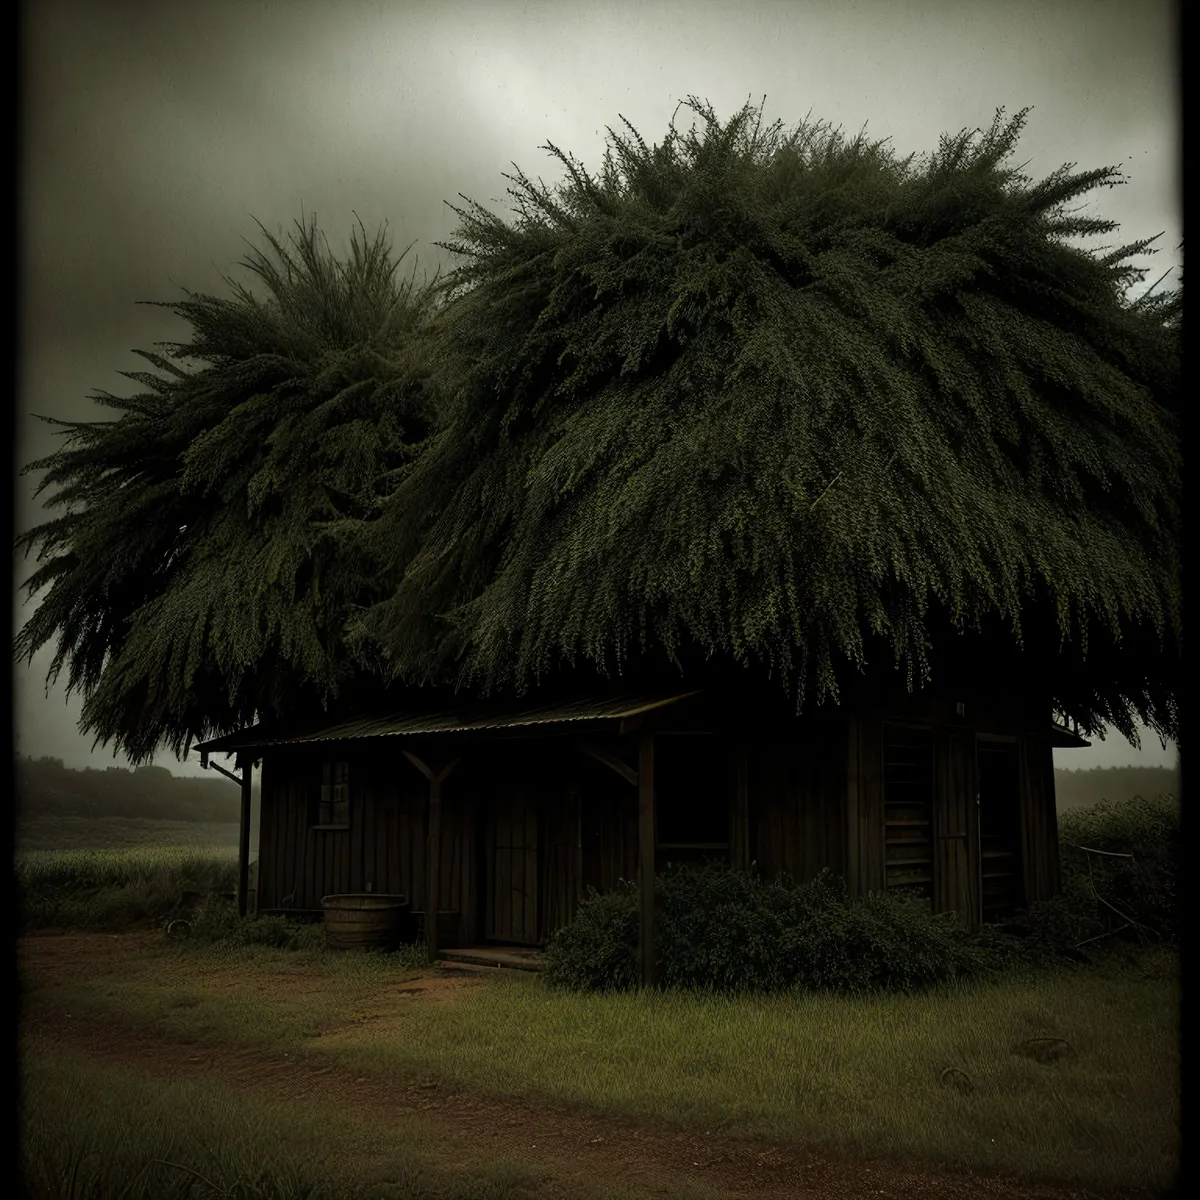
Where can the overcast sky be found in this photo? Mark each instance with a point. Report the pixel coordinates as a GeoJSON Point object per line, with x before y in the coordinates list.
{"type": "Point", "coordinates": [155, 133]}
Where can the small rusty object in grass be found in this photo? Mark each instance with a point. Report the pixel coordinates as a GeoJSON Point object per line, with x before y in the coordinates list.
{"type": "Point", "coordinates": [179, 929]}
{"type": "Point", "coordinates": [1045, 1049]}
{"type": "Point", "coordinates": [953, 1077]}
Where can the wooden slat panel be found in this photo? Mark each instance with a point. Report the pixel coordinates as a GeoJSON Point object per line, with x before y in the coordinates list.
{"type": "Point", "coordinates": [908, 803]}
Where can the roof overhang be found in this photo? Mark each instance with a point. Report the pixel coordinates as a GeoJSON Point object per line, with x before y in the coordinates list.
{"type": "Point", "coordinates": [1062, 738]}
{"type": "Point", "coordinates": [616, 714]}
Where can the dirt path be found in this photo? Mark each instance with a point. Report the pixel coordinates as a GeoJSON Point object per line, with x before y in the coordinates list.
{"type": "Point", "coordinates": [574, 1148]}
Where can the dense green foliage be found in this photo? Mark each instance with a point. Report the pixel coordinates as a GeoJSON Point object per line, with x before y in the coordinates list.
{"type": "Point", "coordinates": [735, 931]}
{"type": "Point", "coordinates": [788, 399]}
{"type": "Point", "coordinates": [209, 556]}
{"type": "Point", "coordinates": [1141, 893]}
{"type": "Point", "coordinates": [778, 399]}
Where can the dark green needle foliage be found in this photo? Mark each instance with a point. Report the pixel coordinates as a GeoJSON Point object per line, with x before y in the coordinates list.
{"type": "Point", "coordinates": [786, 399]}
{"type": "Point", "coordinates": [208, 555]}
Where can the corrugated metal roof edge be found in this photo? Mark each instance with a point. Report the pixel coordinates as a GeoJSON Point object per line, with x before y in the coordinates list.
{"type": "Point", "coordinates": [1062, 738]}
{"type": "Point", "coordinates": [619, 708]}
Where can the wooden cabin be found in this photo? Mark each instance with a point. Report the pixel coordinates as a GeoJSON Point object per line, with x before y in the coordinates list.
{"type": "Point", "coordinates": [508, 812]}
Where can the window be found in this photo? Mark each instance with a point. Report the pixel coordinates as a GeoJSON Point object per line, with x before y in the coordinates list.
{"type": "Point", "coordinates": [334, 808]}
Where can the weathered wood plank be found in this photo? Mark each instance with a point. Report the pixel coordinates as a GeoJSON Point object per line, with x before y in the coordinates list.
{"type": "Point", "coordinates": [956, 860]}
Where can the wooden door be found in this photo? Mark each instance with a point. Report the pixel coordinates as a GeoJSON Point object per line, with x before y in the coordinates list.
{"type": "Point", "coordinates": [1001, 866]}
{"type": "Point", "coordinates": [512, 868]}
{"type": "Point", "coordinates": [955, 874]}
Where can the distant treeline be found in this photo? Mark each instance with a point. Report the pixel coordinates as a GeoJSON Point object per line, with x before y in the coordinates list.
{"type": "Point", "coordinates": [46, 788]}
{"type": "Point", "coordinates": [1074, 789]}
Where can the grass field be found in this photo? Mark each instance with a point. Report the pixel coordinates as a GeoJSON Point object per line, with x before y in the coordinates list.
{"type": "Point", "coordinates": [119, 887]}
{"type": "Point", "coordinates": [854, 1079]}
{"type": "Point", "coordinates": [104, 833]}
{"type": "Point", "coordinates": [858, 1080]}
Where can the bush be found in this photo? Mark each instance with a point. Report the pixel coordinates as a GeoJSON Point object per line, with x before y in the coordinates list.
{"type": "Point", "coordinates": [1135, 897]}
{"type": "Point", "coordinates": [726, 930]}
{"type": "Point", "coordinates": [215, 920]}
{"type": "Point", "coordinates": [597, 951]}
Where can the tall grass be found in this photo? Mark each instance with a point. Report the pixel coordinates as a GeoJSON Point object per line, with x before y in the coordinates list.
{"type": "Point", "coordinates": [118, 888]}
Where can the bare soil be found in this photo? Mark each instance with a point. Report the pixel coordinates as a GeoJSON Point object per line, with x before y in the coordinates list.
{"type": "Point", "coordinates": [574, 1148]}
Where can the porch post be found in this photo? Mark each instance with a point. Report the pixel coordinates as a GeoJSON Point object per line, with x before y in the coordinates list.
{"type": "Point", "coordinates": [646, 855]}
{"type": "Point", "coordinates": [433, 884]}
{"type": "Point", "coordinates": [244, 835]}
{"type": "Point", "coordinates": [433, 847]}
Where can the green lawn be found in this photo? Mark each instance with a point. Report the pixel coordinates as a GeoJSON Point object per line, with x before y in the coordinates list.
{"type": "Point", "coordinates": [853, 1077]}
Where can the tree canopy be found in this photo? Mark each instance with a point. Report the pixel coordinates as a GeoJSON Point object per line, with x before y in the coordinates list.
{"type": "Point", "coordinates": [781, 396]}
{"type": "Point", "coordinates": [769, 397]}
{"type": "Point", "coordinates": [209, 556]}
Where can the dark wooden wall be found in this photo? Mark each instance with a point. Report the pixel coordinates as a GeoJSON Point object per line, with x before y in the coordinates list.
{"type": "Point", "coordinates": [385, 846]}
{"type": "Point", "coordinates": [813, 799]}
{"type": "Point", "coordinates": [955, 826]}
{"type": "Point", "coordinates": [797, 793]}
{"type": "Point", "coordinates": [1011, 713]}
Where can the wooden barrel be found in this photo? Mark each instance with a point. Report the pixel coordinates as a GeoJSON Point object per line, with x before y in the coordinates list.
{"type": "Point", "coordinates": [365, 921]}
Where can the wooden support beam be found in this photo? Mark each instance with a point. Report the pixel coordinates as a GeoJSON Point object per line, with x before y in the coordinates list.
{"type": "Point", "coordinates": [434, 847]}
{"type": "Point", "coordinates": [611, 761]}
{"type": "Point", "coordinates": [649, 965]}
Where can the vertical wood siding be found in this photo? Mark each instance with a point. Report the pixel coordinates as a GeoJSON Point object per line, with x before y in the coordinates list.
{"type": "Point", "coordinates": [955, 833]}
{"type": "Point", "coordinates": [868, 870]}
{"type": "Point", "coordinates": [796, 800]}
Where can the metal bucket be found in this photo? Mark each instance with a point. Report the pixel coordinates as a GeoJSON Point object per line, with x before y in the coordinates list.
{"type": "Point", "coordinates": [364, 921]}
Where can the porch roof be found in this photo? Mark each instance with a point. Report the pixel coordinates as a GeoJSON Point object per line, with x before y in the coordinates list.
{"type": "Point", "coordinates": [478, 717]}
{"type": "Point", "coordinates": [1062, 738]}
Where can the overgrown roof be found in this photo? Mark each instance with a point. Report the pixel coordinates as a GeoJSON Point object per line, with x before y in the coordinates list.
{"type": "Point", "coordinates": [747, 396]}
{"type": "Point", "coordinates": [788, 398]}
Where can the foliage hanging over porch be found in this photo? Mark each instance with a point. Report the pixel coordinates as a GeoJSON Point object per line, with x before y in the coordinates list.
{"type": "Point", "coordinates": [787, 398]}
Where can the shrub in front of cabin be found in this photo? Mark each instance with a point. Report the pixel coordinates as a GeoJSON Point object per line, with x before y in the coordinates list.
{"type": "Point", "coordinates": [598, 950]}
{"type": "Point", "coordinates": [726, 930]}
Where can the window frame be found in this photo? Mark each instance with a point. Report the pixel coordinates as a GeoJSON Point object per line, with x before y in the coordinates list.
{"type": "Point", "coordinates": [333, 798]}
